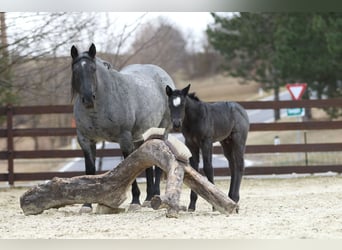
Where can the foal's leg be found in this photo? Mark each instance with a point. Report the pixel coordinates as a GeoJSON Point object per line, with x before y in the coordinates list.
{"type": "Point", "coordinates": [89, 152]}
{"type": "Point", "coordinates": [207, 160]}
{"type": "Point", "coordinates": [234, 152]}
{"type": "Point", "coordinates": [207, 155]}
{"type": "Point", "coordinates": [194, 161]}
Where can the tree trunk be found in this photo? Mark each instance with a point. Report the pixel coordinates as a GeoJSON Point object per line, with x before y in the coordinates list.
{"type": "Point", "coordinates": [109, 189]}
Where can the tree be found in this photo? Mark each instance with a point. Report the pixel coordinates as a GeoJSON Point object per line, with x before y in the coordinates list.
{"type": "Point", "coordinates": [6, 94]}
{"type": "Point", "coordinates": [246, 40]}
{"type": "Point", "coordinates": [309, 49]}
{"type": "Point", "coordinates": [31, 69]}
{"type": "Point", "coordinates": [275, 48]}
{"type": "Point", "coordinates": [34, 43]}
{"type": "Point", "coordinates": [205, 62]}
{"type": "Point", "coordinates": [37, 52]}
{"type": "Point", "coordinates": [161, 43]}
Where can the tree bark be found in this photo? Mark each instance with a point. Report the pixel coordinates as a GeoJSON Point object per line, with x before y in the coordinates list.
{"type": "Point", "coordinates": [109, 189]}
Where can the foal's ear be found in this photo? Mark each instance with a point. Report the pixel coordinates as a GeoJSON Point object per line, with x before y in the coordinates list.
{"type": "Point", "coordinates": [168, 90]}
{"type": "Point", "coordinates": [185, 91]}
{"type": "Point", "coordinates": [74, 52]}
{"type": "Point", "coordinates": [92, 51]}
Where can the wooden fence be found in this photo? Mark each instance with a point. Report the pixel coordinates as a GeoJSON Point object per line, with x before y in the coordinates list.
{"type": "Point", "coordinates": [11, 154]}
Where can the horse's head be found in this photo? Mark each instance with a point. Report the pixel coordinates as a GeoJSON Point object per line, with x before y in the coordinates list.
{"type": "Point", "coordinates": [84, 79]}
{"type": "Point", "coordinates": [176, 99]}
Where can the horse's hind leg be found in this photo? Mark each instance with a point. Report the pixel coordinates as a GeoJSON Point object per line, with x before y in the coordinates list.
{"type": "Point", "coordinates": [234, 152]}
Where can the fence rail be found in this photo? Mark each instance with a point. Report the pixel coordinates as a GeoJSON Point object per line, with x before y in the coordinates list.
{"type": "Point", "coordinates": [10, 133]}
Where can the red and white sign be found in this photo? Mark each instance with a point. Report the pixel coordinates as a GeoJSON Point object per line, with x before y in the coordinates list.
{"type": "Point", "coordinates": [296, 90]}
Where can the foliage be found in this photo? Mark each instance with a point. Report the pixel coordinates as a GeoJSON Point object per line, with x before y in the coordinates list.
{"type": "Point", "coordinates": [276, 48]}
{"type": "Point", "coordinates": [160, 43]}
{"type": "Point", "coordinates": [6, 93]}
{"type": "Point", "coordinates": [246, 41]}
{"type": "Point", "coordinates": [309, 50]}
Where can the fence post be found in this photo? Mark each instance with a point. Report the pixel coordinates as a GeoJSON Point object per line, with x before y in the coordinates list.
{"type": "Point", "coordinates": [10, 144]}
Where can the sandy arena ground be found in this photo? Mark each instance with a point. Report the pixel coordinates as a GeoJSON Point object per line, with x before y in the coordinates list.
{"type": "Point", "coordinates": [271, 208]}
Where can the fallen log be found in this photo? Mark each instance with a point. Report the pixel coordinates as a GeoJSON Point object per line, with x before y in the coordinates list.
{"type": "Point", "coordinates": [110, 189]}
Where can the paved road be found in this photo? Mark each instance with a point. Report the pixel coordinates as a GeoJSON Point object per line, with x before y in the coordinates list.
{"type": "Point", "coordinates": [267, 115]}
{"type": "Point", "coordinates": [108, 163]}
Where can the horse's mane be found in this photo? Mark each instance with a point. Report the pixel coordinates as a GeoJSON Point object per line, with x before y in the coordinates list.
{"type": "Point", "coordinates": [194, 97]}
{"type": "Point", "coordinates": [73, 91]}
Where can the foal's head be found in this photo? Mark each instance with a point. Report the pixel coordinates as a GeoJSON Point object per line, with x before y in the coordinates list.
{"type": "Point", "coordinates": [176, 99]}
{"type": "Point", "coordinates": [84, 79]}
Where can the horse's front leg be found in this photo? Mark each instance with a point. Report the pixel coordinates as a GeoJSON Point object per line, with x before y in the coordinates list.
{"type": "Point", "coordinates": [157, 176]}
{"type": "Point", "coordinates": [149, 186]}
{"type": "Point", "coordinates": [152, 184]}
{"type": "Point", "coordinates": [194, 161]}
{"type": "Point", "coordinates": [206, 148]}
{"type": "Point", "coordinates": [127, 147]}
{"type": "Point", "coordinates": [89, 151]}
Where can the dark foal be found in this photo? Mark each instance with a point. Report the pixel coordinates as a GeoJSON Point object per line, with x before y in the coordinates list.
{"type": "Point", "coordinates": [204, 123]}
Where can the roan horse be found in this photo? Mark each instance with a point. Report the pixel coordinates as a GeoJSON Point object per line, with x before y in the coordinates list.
{"type": "Point", "coordinates": [204, 123]}
{"type": "Point", "coordinates": [118, 107]}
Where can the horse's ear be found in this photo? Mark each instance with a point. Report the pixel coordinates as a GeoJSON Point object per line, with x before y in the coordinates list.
{"type": "Point", "coordinates": [168, 90]}
{"type": "Point", "coordinates": [185, 91]}
{"type": "Point", "coordinates": [74, 52]}
{"type": "Point", "coordinates": [92, 51]}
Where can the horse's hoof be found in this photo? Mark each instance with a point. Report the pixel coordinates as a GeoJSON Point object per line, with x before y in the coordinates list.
{"type": "Point", "coordinates": [85, 210]}
{"type": "Point", "coordinates": [146, 204]}
{"type": "Point", "coordinates": [191, 210]}
{"type": "Point", "coordinates": [102, 209]}
{"type": "Point", "coordinates": [237, 208]}
{"type": "Point", "coordinates": [182, 208]}
{"type": "Point", "coordinates": [172, 214]}
{"type": "Point", "coordinates": [134, 207]}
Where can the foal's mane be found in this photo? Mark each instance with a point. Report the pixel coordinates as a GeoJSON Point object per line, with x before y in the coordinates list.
{"type": "Point", "coordinates": [194, 97]}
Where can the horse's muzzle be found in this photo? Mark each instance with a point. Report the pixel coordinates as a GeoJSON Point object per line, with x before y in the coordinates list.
{"type": "Point", "coordinates": [177, 125]}
{"type": "Point", "coordinates": [88, 102]}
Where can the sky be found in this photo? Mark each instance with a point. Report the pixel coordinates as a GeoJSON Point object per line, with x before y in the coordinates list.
{"type": "Point", "coordinates": [191, 24]}
{"type": "Point", "coordinates": [195, 22]}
